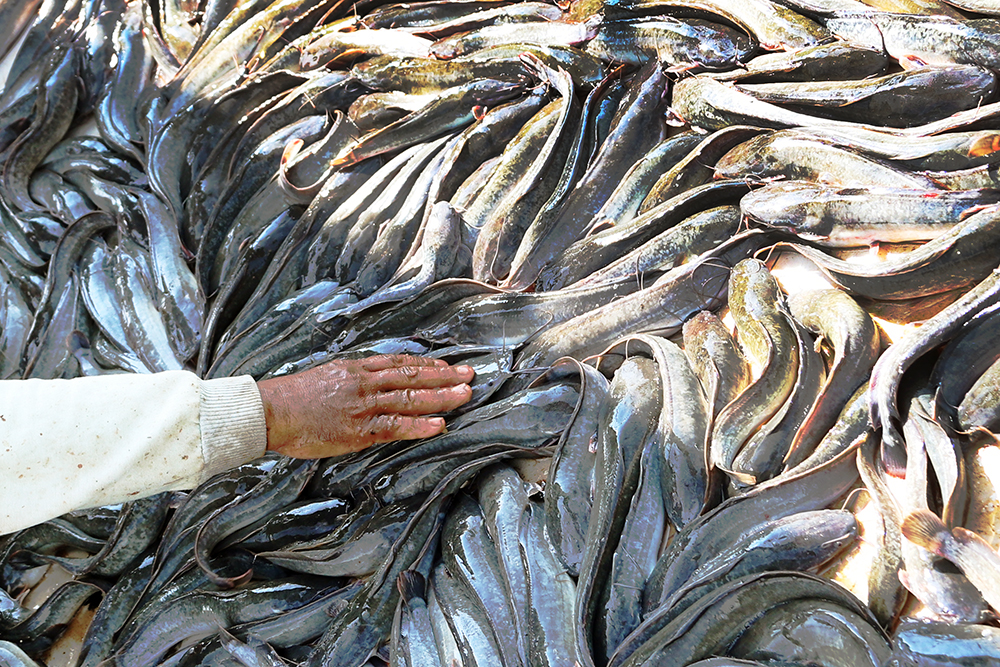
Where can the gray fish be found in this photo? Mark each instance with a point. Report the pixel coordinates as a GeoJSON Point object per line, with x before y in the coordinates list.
{"type": "Point", "coordinates": [832, 216]}
{"type": "Point", "coordinates": [680, 43]}
{"type": "Point", "coordinates": [716, 360]}
{"type": "Point", "coordinates": [956, 259]}
{"type": "Point", "coordinates": [827, 61]}
{"type": "Point", "coordinates": [568, 495]}
{"type": "Point", "coordinates": [918, 643]}
{"type": "Point", "coordinates": [913, 97]}
{"type": "Point", "coordinates": [775, 26]}
{"type": "Point", "coordinates": [470, 555]}
{"type": "Point", "coordinates": [843, 325]}
{"type": "Point", "coordinates": [932, 40]}
{"type": "Point", "coordinates": [966, 549]}
{"type": "Point", "coordinates": [948, 595]}
{"type": "Point", "coordinates": [551, 596]}
{"type": "Point", "coordinates": [766, 333]}
{"type": "Point", "coordinates": [814, 632]}
{"type": "Point", "coordinates": [636, 128]}
{"type": "Point", "coordinates": [794, 155]}
{"type": "Point", "coordinates": [413, 635]}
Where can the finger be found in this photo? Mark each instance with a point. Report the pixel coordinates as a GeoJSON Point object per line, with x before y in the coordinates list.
{"type": "Point", "coordinates": [420, 377]}
{"type": "Point", "coordinates": [422, 401]}
{"type": "Point", "coordinates": [381, 362]}
{"type": "Point", "coordinates": [386, 428]}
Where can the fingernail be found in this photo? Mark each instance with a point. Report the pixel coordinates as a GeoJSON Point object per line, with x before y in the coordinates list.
{"type": "Point", "coordinates": [465, 369]}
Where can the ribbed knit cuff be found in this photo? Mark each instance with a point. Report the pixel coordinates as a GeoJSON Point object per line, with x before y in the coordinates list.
{"type": "Point", "coordinates": [233, 430]}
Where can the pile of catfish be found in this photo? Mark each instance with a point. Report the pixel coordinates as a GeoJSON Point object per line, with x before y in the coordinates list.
{"type": "Point", "coordinates": [566, 197]}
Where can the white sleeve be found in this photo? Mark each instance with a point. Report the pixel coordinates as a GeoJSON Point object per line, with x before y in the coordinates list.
{"type": "Point", "coordinates": [92, 441]}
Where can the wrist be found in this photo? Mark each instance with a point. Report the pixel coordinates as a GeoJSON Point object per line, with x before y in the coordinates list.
{"type": "Point", "coordinates": [273, 397]}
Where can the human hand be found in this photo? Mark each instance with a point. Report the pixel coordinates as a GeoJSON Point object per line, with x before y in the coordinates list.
{"type": "Point", "coordinates": [347, 405]}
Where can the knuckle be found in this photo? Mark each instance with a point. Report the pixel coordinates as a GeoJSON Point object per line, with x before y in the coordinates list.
{"type": "Point", "coordinates": [385, 426]}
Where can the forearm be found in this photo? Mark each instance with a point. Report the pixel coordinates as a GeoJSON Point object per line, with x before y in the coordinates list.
{"type": "Point", "coordinates": [69, 444]}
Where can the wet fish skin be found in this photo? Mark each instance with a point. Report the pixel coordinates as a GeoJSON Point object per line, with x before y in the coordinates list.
{"type": "Point", "coordinates": [636, 128]}
{"type": "Point", "coordinates": [199, 611]}
{"type": "Point", "coordinates": [678, 245]}
{"type": "Point", "coordinates": [520, 316]}
{"type": "Point", "coordinates": [856, 344]}
{"type": "Point", "coordinates": [65, 256]}
{"type": "Point", "coordinates": [384, 207]}
{"type": "Point", "coordinates": [551, 596]}
{"type": "Point", "coordinates": [803, 541]}
{"type": "Point", "coordinates": [635, 555]}
{"type": "Point", "coordinates": [813, 63]}
{"type": "Point", "coordinates": [716, 359]}
{"type": "Point", "coordinates": [559, 32]}
{"type": "Point", "coordinates": [427, 15]}
{"type": "Point", "coordinates": [568, 499]}
{"type": "Point", "coordinates": [624, 203]}
{"type": "Point", "coordinates": [954, 150]}
{"type": "Point", "coordinates": [626, 424]}
{"type": "Point", "coordinates": [714, 105]}
{"type": "Point", "coordinates": [356, 632]}
{"type": "Point", "coordinates": [831, 216]}
{"type": "Point", "coordinates": [256, 29]}
{"type": "Point", "coordinates": [282, 485]}
{"type": "Point", "coordinates": [440, 242]}
{"type": "Point", "coordinates": [970, 552]}
{"type": "Point", "coordinates": [681, 43]}
{"type": "Point", "coordinates": [17, 15]}
{"type": "Point", "coordinates": [896, 100]}
{"type": "Point", "coordinates": [596, 250]}
{"type": "Point", "coordinates": [53, 114]}
{"type": "Point", "coordinates": [424, 75]}
{"type": "Point", "coordinates": [470, 555]}
{"type": "Point", "coordinates": [116, 110]}
{"type": "Point", "coordinates": [915, 643]}
{"type": "Point", "coordinates": [679, 294]}
{"type": "Point", "coordinates": [451, 110]}
{"type": "Point", "coordinates": [763, 454]}
{"type": "Point", "coordinates": [723, 525]}
{"type": "Point", "coordinates": [503, 496]}
{"type": "Point", "coordinates": [886, 594]}
{"type": "Point", "coordinates": [504, 228]}
{"type": "Point", "coordinates": [703, 630]}
{"type": "Point", "coordinates": [886, 375]}
{"type": "Point", "coordinates": [956, 259]}
{"type": "Point", "coordinates": [792, 155]}
{"type": "Point", "coordinates": [358, 553]}
{"type": "Point", "coordinates": [297, 521]}
{"type": "Point", "coordinates": [327, 47]}
{"type": "Point", "coordinates": [948, 595]}
{"type": "Point", "coordinates": [757, 305]}
{"type": "Point", "coordinates": [58, 609]}
{"type": "Point", "coordinates": [586, 70]}
{"type": "Point", "coordinates": [979, 405]}
{"type": "Point", "coordinates": [818, 627]}
{"type": "Point", "coordinates": [681, 429]}
{"type": "Point", "coordinates": [397, 236]}
{"type": "Point", "coordinates": [775, 26]}
{"type": "Point", "coordinates": [415, 630]}
{"type": "Point", "coordinates": [477, 642]}
{"type": "Point", "coordinates": [136, 529]}
{"type": "Point", "coordinates": [921, 38]}
{"type": "Point", "coordinates": [697, 167]}
{"type": "Point", "coordinates": [964, 360]}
